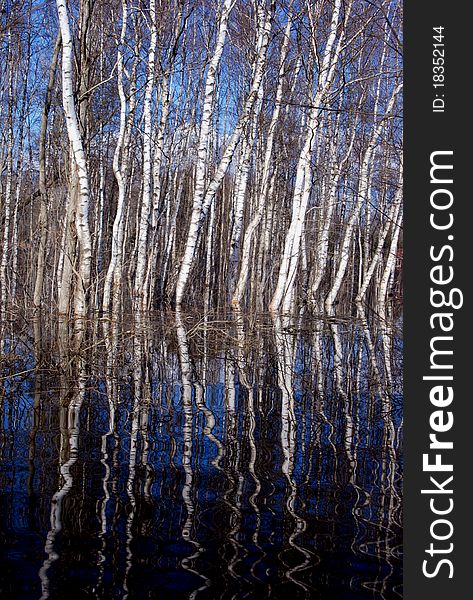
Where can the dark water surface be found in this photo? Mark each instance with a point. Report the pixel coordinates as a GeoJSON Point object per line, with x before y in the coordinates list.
{"type": "Point", "coordinates": [203, 460]}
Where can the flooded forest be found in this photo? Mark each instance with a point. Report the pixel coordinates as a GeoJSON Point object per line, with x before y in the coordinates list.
{"type": "Point", "coordinates": [201, 299]}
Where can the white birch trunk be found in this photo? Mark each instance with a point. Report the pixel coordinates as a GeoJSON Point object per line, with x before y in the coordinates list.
{"type": "Point", "coordinates": [6, 227]}
{"type": "Point", "coordinates": [331, 194]}
{"type": "Point", "coordinates": [287, 271]}
{"type": "Point", "coordinates": [117, 230]}
{"type": "Point", "coordinates": [361, 195]}
{"type": "Point", "coordinates": [75, 139]}
{"type": "Point", "coordinates": [43, 212]}
{"type": "Point", "coordinates": [141, 262]}
{"type": "Point", "coordinates": [204, 136]}
{"type": "Point", "coordinates": [19, 162]}
{"type": "Point", "coordinates": [265, 178]}
{"type": "Point", "coordinates": [386, 277]}
{"type": "Point", "coordinates": [239, 202]}
{"type": "Point", "coordinates": [8, 192]}
{"type": "Point", "coordinates": [391, 224]}
{"type": "Point", "coordinates": [67, 250]}
{"type": "Point", "coordinates": [202, 202]}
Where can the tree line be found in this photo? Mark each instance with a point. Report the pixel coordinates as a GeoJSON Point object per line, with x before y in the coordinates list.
{"type": "Point", "coordinates": [200, 153]}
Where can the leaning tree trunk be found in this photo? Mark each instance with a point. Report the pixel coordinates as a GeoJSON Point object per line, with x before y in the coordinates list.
{"type": "Point", "coordinates": [287, 272]}
{"type": "Point", "coordinates": [202, 202]}
{"type": "Point", "coordinates": [204, 136]}
{"type": "Point", "coordinates": [391, 224]}
{"type": "Point", "coordinates": [265, 179]}
{"type": "Point", "coordinates": [361, 195]}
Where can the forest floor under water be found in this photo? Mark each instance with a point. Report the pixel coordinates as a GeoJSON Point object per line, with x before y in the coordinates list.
{"type": "Point", "coordinates": [203, 458]}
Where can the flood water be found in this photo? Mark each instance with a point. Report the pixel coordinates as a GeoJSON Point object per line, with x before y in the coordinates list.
{"type": "Point", "coordinates": [203, 459]}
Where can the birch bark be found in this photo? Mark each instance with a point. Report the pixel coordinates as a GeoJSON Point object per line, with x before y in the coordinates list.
{"type": "Point", "coordinates": [265, 178]}
{"type": "Point", "coordinates": [141, 262]}
{"type": "Point", "coordinates": [202, 201]}
{"type": "Point", "coordinates": [391, 224]}
{"type": "Point", "coordinates": [75, 139]}
{"type": "Point", "coordinates": [8, 189]}
{"type": "Point", "coordinates": [117, 231]}
{"type": "Point", "coordinates": [336, 169]}
{"type": "Point", "coordinates": [287, 271]}
{"type": "Point", "coordinates": [361, 195]}
{"type": "Point", "coordinates": [43, 210]}
{"type": "Point", "coordinates": [202, 151]}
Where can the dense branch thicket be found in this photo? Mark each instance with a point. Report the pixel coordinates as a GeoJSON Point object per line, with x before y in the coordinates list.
{"type": "Point", "coordinates": [241, 158]}
{"type": "Point", "coordinates": [195, 152]}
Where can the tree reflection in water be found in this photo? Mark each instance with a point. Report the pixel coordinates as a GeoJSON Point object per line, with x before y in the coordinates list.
{"type": "Point", "coordinates": [216, 458]}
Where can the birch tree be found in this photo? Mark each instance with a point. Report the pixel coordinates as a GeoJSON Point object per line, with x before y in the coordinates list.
{"type": "Point", "coordinates": [119, 169]}
{"type": "Point", "coordinates": [43, 211]}
{"type": "Point", "coordinates": [265, 178]}
{"type": "Point", "coordinates": [141, 261]}
{"type": "Point", "coordinates": [78, 169]}
{"type": "Point", "coordinates": [201, 202]}
{"type": "Point", "coordinates": [233, 153]}
{"type": "Point", "coordinates": [361, 194]}
{"type": "Point", "coordinates": [287, 271]}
